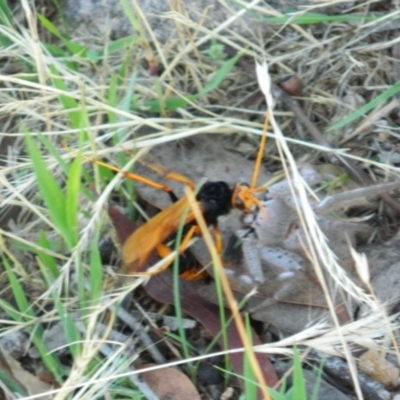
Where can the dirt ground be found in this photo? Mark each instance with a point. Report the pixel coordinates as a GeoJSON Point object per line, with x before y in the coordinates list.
{"type": "Point", "coordinates": [175, 90]}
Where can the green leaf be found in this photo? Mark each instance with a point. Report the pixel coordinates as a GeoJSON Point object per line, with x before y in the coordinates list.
{"type": "Point", "coordinates": [121, 44]}
{"type": "Point", "coordinates": [71, 331]}
{"type": "Point", "coordinates": [55, 50]}
{"type": "Point", "coordinates": [128, 11]}
{"type": "Point", "coordinates": [49, 25]}
{"type": "Point", "coordinates": [5, 14]}
{"type": "Point", "coordinates": [299, 386]}
{"type": "Point", "coordinates": [221, 74]}
{"type": "Point", "coordinates": [276, 395]}
{"type": "Point", "coordinates": [45, 258]}
{"type": "Point", "coordinates": [311, 18]}
{"type": "Point", "coordinates": [112, 99]}
{"type": "Point", "coordinates": [96, 269]}
{"type": "Point", "coordinates": [11, 311]}
{"type": "Point", "coordinates": [54, 152]}
{"type": "Point", "coordinates": [6, 20]}
{"type": "Point", "coordinates": [72, 198]}
{"type": "Point", "coordinates": [68, 102]}
{"type": "Point", "coordinates": [27, 315]}
{"type": "Point", "coordinates": [173, 103]}
{"type": "Point", "coordinates": [250, 385]}
{"type": "Point", "coordinates": [74, 48]}
{"type": "Point", "coordinates": [51, 192]}
{"type": "Point", "coordinates": [293, 16]}
{"type": "Point", "coordinates": [12, 384]}
{"type": "Point", "coordinates": [18, 292]}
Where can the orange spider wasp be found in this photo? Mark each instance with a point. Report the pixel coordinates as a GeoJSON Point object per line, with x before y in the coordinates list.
{"type": "Point", "coordinates": [214, 199]}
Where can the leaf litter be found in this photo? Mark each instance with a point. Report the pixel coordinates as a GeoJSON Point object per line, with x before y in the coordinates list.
{"type": "Point", "coordinates": [336, 66]}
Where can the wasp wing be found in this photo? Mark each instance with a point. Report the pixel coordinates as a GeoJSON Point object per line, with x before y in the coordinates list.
{"type": "Point", "coordinates": [141, 243]}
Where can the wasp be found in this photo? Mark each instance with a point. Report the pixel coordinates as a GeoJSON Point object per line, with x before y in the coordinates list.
{"type": "Point", "coordinates": [214, 199]}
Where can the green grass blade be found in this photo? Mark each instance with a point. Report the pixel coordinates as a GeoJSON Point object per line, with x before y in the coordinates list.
{"type": "Point", "coordinates": [54, 152]}
{"type": "Point", "coordinates": [367, 107]}
{"type": "Point", "coordinates": [125, 106]}
{"type": "Point", "coordinates": [26, 315]}
{"type": "Point", "coordinates": [250, 385]}
{"type": "Point", "coordinates": [69, 103]}
{"type": "Point", "coordinates": [275, 395]}
{"type": "Point", "coordinates": [74, 48]}
{"type": "Point", "coordinates": [121, 44]}
{"type": "Point", "coordinates": [220, 75]}
{"type": "Point", "coordinates": [112, 99]}
{"type": "Point", "coordinates": [171, 104]}
{"type": "Point", "coordinates": [12, 385]}
{"type": "Point", "coordinates": [71, 331]}
{"type": "Point", "coordinates": [10, 311]}
{"type": "Point", "coordinates": [311, 18]}
{"type": "Point", "coordinates": [6, 19]}
{"type": "Point", "coordinates": [45, 258]}
{"type": "Point", "coordinates": [51, 192]}
{"type": "Point", "coordinates": [293, 16]}
{"type": "Point", "coordinates": [72, 198]}
{"type": "Point", "coordinates": [174, 103]}
{"type": "Point", "coordinates": [160, 95]}
{"type": "Point", "coordinates": [18, 292]}
{"type": "Point", "coordinates": [49, 25]}
{"type": "Point", "coordinates": [299, 386]}
{"type": "Point", "coordinates": [132, 17]}
{"type": "Point", "coordinates": [5, 14]}
{"type": "Point", "coordinates": [177, 298]}
{"type": "Point", "coordinates": [96, 269]}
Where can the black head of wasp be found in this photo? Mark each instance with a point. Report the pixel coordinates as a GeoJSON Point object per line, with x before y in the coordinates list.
{"type": "Point", "coordinates": [214, 199]}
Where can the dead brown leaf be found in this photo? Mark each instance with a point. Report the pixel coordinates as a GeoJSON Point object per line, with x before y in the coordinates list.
{"type": "Point", "coordinates": [170, 384]}
{"type": "Point", "coordinates": [161, 288]}
{"type": "Point", "coordinates": [32, 384]}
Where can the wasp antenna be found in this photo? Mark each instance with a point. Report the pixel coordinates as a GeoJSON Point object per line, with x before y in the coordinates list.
{"type": "Point", "coordinates": [260, 152]}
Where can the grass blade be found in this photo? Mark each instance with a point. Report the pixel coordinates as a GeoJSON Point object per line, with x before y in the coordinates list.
{"type": "Point", "coordinates": [51, 192]}
{"type": "Point", "coordinates": [72, 198]}
{"type": "Point", "coordinates": [367, 107]}
{"type": "Point", "coordinates": [96, 269]}
{"type": "Point", "coordinates": [68, 102]}
{"type": "Point", "coordinates": [179, 102]}
{"type": "Point", "coordinates": [27, 315]}
{"type": "Point", "coordinates": [299, 386]}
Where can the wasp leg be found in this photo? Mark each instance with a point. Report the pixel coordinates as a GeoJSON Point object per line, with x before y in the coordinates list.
{"type": "Point", "coordinates": [188, 274]}
{"type": "Point", "coordinates": [162, 251]}
{"type": "Point", "coordinates": [194, 229]}
{"type": "Point", "coordinates": [141, 179]}
{"type": "Point", "coordinates": [218, 239]}
{"type": "Point", "coordinates": [160, 170]}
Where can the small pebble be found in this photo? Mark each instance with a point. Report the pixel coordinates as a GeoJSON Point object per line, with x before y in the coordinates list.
{"type": "Point", "coordinates": [292, 86]}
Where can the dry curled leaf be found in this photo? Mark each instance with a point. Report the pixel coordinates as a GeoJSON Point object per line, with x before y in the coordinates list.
{"type": "Point", "coordinates": [170, 384]}
{"type": "Point", "coordinates": [28, 382]}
